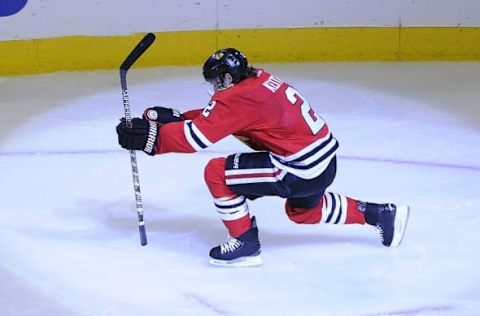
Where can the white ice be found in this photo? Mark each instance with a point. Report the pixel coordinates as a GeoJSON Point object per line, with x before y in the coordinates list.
{"type": "Point", "coordinates": [409, 133]}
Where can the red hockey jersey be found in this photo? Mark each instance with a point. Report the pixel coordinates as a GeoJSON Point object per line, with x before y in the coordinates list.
{"type": "Point", "coordinates": [268, 111]}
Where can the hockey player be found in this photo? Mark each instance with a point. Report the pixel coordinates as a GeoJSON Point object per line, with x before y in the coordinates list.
{"type": "Point", "coordinates": [294, 157]}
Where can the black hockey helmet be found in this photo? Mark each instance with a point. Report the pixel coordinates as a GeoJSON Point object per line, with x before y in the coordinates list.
{"type": "Point", "coordinates": [223, 61]}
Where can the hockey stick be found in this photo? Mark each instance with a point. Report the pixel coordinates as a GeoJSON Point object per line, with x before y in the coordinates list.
{"type": "Point", "coordinates": [138, 51]}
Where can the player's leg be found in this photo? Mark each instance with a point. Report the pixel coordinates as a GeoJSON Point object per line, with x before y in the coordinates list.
{"type": "Point", "coordinates": [242, 247]}
{"type": "Point", "coordinates": [231, 207]}
{"type": "Point", "coordinates": [310, 204]}
{"type": "Point", "coordinates": [231, 182]}
{"type": "Point", "coordinates": [333, 208]}
{"type": "Point", "coordinates": [239, 177]}
{"type": "Point", "coordinates": [329, 208]}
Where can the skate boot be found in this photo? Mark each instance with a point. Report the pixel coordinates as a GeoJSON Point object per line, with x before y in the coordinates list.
{"type": "Point", "coordinates": [391, 223]}
{"type": "Point", "coordinates": [243, 251]}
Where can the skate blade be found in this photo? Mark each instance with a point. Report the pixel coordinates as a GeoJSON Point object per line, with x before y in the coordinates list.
{"type": "Point", "coordinates": [400, 224]}
{"type": "Point", "coordinates": [250, 261]}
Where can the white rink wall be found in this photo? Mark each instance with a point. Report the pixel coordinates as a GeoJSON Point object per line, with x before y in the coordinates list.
{"type": "Point", "coordinates": [55, 18]}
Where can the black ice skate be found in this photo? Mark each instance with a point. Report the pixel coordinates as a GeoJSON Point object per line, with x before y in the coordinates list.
{"type": "Point", "coordinates": [243, 251]}
{"type": "Point", "coordinates": [391, 223]}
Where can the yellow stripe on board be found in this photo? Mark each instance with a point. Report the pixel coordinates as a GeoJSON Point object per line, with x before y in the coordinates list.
{"type": "Point", "coordinates": [445, 44]}
{"type": "Point", "coordinates": [73, 53]}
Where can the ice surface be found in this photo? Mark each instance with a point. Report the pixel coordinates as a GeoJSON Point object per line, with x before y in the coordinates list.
{"type": "Point", "coordinates": [69, 245]}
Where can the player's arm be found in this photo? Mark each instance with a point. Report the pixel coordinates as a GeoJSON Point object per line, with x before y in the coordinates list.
{"type": "Point", "coordinates": [216, 121]}
{"type": "Point", "coordinates": [152, 137]}
{"type": "Point", "coordinates": [191, 114]}
{"type": "Point", "coordinates": [184, 136]}
{"type": "Point", "coordinates": [144, 133]}
{"type": "Point", "coordinates": [171, 138]}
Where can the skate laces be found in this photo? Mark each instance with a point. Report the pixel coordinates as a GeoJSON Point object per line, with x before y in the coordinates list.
{"type": "Point", "coordinates": [380, 229]}
{"type": "Point", "coordinates": [231, 244]}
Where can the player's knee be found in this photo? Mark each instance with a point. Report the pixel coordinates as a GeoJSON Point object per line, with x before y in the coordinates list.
{"type": "Point", "coordinates": [214, 175]}
{"type": "Point", "coordinates": [304, 216]}
{"type": "Point", "coordinates": [214, 171]}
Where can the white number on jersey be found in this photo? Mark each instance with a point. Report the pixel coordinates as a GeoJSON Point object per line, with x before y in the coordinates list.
{"type": "Point", "coordinates": [209, 108]}
{"type": "Point", "coordinates": [313, 121]}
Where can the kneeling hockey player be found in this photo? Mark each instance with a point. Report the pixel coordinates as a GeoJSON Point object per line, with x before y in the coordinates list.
{"type": "Point", "coordinates": [294, 158]}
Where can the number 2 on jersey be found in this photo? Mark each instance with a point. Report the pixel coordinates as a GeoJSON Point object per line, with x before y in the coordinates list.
{"type": "Point", "coordinates": [313, 121]}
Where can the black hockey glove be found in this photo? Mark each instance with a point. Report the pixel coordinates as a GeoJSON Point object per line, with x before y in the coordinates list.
{"type": "Point", "coordinates": [142, 135]}
{"type": "Point", "coordinates": [162, 115]}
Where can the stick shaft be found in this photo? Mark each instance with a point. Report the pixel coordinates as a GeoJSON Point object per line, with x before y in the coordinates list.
{"type": "Point", "coordinates": [139, 49]}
